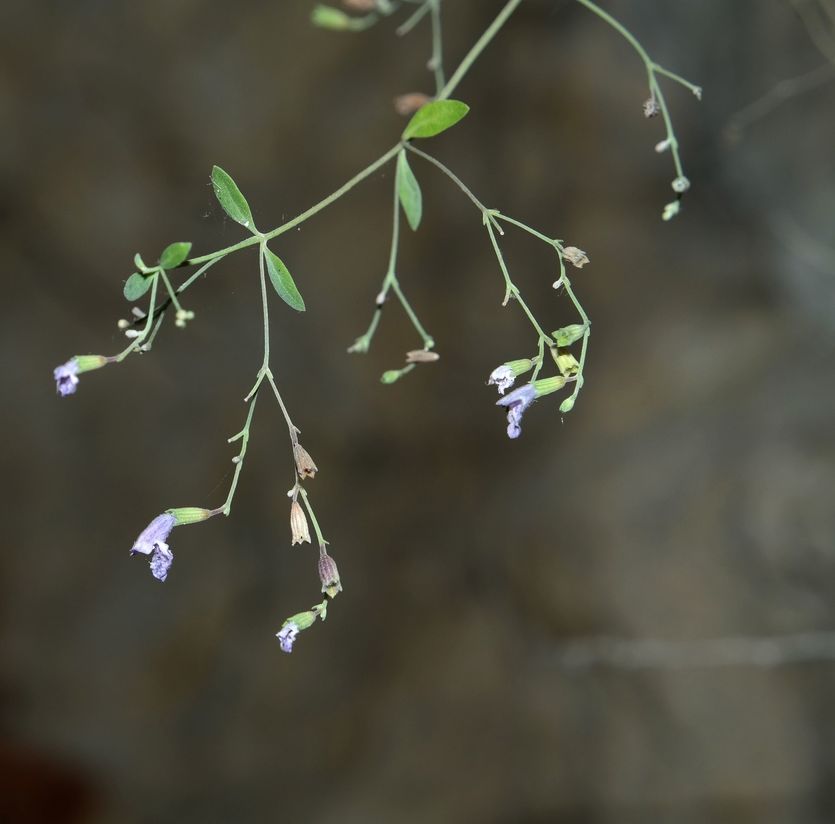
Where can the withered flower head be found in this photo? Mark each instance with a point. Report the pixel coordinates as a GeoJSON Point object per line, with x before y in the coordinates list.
{"type": "Point", "coordinates": [304, 463]}
{"type": "Point", "coordinates": [406, 104]}
{"type": "Point", "coordinates": [360, 5]}
{"type": "Point", "coordinates": [298, 524]}
{"type": "Point", "coordinates": [421, 356]}
{"type": "Point", "coordinates": [576, 257]}
{"type": "Point", "coordinates": [651, 107]}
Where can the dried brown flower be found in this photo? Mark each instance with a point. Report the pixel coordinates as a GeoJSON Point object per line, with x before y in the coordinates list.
{"type": "Point", "coordinates": [298, 525]}
{"type": "Point", "coordinates": [576, 257]}
{"type": "Point", "coordinates": [304, 463]}
{"type": "Point", "coordinates": [651, 107]}
{"type": "Point", "coordinates": [421, 356]}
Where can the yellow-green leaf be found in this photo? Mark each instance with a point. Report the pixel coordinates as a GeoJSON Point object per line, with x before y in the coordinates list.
{"type": "Point", "coordinates": [434, 118]}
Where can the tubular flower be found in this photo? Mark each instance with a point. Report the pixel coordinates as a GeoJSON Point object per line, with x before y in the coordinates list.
{"type": "Point", "coordinates": [152, 542]}
{"type": "Point", "coordinates": [517, 402]}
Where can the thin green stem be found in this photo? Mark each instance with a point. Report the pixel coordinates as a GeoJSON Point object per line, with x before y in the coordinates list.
{"type": "Point", "coordinates": [511, 290]}
{"type": "Point", "coordinates": [428, 341]}
{"type": "Point", "coordinates": [170, 289]}
{"type": "Point", "coordinates": [315, 209]}
{"type": "Point", "coordinates": [243, 436]}
{"type": "Point", "coordinates": [672, 141]}
{"type": "Point", "coordinates": [528, 229]}
{"type": "Point", "coordinates": [391, 282]}
{"type": "Point", "coordinates": [621, 30]}
{"type": "Point", "coordinates": [414, 18]}
{"type": "Point", "coordinates": [140, 338]}
{"type": "Point", "coordinates": [692, 87]}
{"type": "Point", "coordinates": [450, 174]}
{"type": "Point", "coordinates": [264, 303]}
{"type": "Point", "coordinates": [294, 432]}
{"type": "Point", "coordinates": [480, 45]}
{"type": "Point", "coordinates": [653, 69]}
{"type": "Point", "coordinates": [316, 528]}
{"type": "Point", "coordinates": [436, 62]}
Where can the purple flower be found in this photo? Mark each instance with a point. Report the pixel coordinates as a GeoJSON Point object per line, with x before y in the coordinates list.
{"type": "Point", "coordinates": [66, 378]}
{"type": "Point", "coordinates": [503, 376]}
{"type": "Point", "coordinates": [287, 636]}
{"type": "Point", "coordinates": [152, 542]}
{"type": "Point", "coordinates": [517, 402]}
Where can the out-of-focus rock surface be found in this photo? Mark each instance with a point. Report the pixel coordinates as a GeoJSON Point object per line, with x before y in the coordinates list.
{"type": "Point", "coordinates": [689, 495]}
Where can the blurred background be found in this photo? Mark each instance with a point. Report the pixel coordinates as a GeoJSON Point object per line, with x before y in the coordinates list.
{"type": "Point", "coordinates": [461, 675]}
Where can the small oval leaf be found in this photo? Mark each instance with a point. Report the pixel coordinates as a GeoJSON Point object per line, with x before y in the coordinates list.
{"type": "Point", "coordinates": [230, 198]}
{"type": "Point", "coordinates": [434, 118]}
{"type": "Point", "coordinates": [139, 263]}
{"type": "Point", "coordinates": [174, 254]}
{"type": "Point", "coordinates": [282, 281]}
{"type": "Point", "coordinates": [408, 190]}
{"type": "Point", "coordinates": [136, 286]}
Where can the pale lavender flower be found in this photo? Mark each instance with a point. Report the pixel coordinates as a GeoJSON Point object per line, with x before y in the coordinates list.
{"type": "Point", "coordinates": [517, 402]}
{"type": "Point", "coordinates": [152, 542]}
{"type": "Point", "coordinates": [503, 376]}
{"type": "Point", "coordinates": [287, 636]}
{"type": "Point", "coordinates": [66, 378]}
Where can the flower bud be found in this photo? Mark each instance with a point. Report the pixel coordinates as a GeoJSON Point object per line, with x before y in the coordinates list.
{"type": "Point", "coordinates": [329, 575]}
{"type": "Point", "coordinates": [567, 405]}
{"type": "Point", "coordinates": [189, 515]}
{"type": "Point", "coordinates": [680, 185]}
{"type": "Point", "coordinates": [390, 376]}
{"type": "Point", "coordinates": [569, 334]}
{"type": "Point", "coordinates": [304, 463]}
{"type": "Point", "coordinates": [298, 525]}
{"type": "Point", "coordinates": [576, 257]}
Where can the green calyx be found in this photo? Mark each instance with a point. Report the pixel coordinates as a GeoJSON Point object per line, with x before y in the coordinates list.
{"type": "Point", "coordinates": [189, 515]}
{"type": "Point", "coordinates": [86, 363]}
{"type": "Point", "coordinates": [545, 386]}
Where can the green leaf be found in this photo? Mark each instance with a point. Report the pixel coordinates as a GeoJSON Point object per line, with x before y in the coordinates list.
{"type": "Point", "coordinates": [174, 254]}
{"type": "Point", "coordinates": [434, 118]}
{"type": "Point", "coordinates": [139, 263]}
{"type": "Point", "coordinates": [408, 190]}
{"type": "Point", "coordinates": [136, 286]}
{"type": "Point", "coordinates": [283, 281]}
{"type": "Point", "coordinates": [230, 198]}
